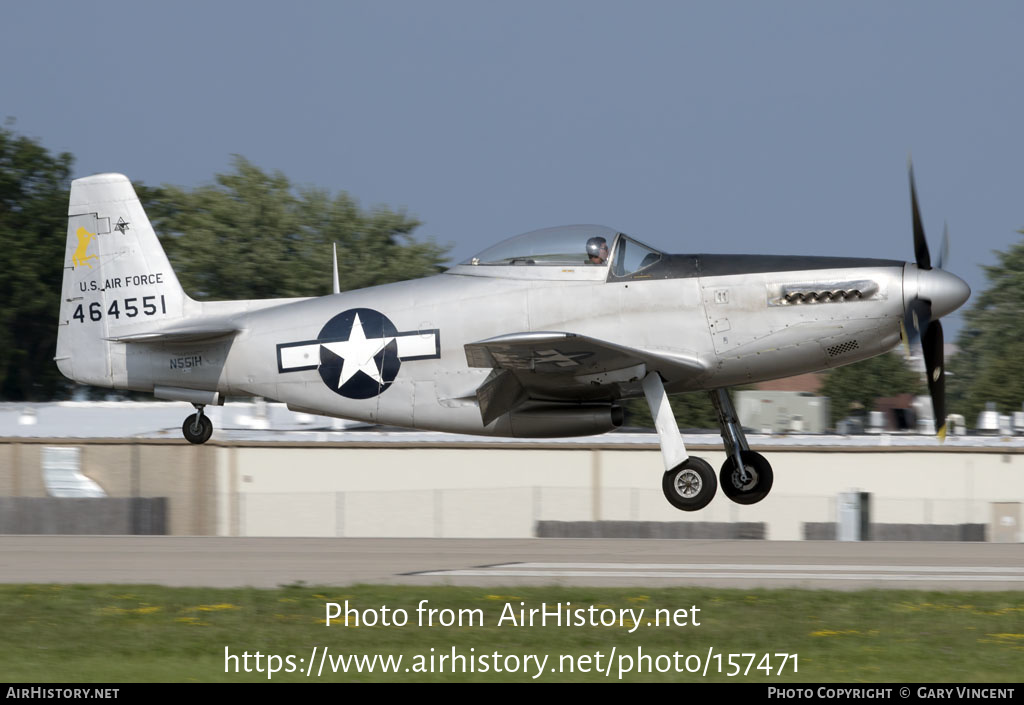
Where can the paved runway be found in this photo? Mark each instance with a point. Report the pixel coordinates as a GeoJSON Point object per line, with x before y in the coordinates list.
{"type": "Point", "coordinates": [271, 562]}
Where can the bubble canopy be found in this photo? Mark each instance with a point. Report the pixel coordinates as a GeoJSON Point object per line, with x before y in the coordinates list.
{"type": "Point", "coordinates": [565, 245]}
{"type": "Point", "coordinates": [569, 252]}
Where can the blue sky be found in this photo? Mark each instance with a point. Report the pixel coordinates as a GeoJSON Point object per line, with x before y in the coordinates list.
{"type": "Point", "coordinates": [760, 127]}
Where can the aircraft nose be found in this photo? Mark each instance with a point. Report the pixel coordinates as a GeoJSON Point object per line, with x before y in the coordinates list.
{"type": "Point", "coordinates": [947, 292]}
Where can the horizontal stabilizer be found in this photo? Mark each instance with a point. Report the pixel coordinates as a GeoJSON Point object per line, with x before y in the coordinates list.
{"type": "Point", "coordinates": [187, 333]}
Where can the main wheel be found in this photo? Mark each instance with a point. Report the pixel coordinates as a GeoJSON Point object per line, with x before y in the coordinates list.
{"type": "Point", "coordinates": [758, 482]}
{"type": "Point", "coordinates": [690, 485]}
{"type": "Point", "coordinates": [197, 428]}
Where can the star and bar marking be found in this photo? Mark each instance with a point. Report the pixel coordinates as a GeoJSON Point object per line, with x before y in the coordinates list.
{"type": "Point", "coordinates": [358, 352]}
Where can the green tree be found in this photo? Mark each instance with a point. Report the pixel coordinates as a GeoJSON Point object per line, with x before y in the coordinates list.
{"type": "Point", "coordinates": [251, 235]}
{"type": "Point", "coordinates": [693, 410]}
{"type": "Point", "coordinates": [989, 365]}
{"type": "Point", "coordinates": [857, 386]}
{"type": "Point", "coordinates": [34, 187]}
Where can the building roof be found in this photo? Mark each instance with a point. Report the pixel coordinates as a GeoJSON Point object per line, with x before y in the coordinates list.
{"type": "Point", "coordinates": [259, 421]}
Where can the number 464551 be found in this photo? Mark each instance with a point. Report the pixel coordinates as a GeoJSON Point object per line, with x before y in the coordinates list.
{"type": "Point", "coordinates": [129, 308]}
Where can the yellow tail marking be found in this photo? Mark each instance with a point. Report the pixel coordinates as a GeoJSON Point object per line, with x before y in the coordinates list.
{"type": "Point", "coordinates": [942, 434]}
{"type": "Point", "coordinates": [80, 256]}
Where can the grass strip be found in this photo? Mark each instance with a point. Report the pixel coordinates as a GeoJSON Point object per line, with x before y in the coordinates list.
{"type": "Point", "coordinates": [133, 633]}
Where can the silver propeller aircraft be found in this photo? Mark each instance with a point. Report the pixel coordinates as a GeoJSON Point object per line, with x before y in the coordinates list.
{"type": "Point", "coordinates": [542, 335]}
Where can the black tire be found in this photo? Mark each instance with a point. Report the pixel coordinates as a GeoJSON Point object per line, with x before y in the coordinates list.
{"type": "Point", "coordinates": [197, 434]}
{"type": "Point", "coordinates": [691, 485]}
{"type": "Point", "coordinates": [759, 483]}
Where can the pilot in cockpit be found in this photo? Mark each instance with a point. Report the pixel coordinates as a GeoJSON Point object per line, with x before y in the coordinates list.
{"type": "Point", "coordinates": [597, 250]}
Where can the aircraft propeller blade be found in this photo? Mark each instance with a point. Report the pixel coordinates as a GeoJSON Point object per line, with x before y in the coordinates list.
{"type": "Point", "coordinates": [917, 325]}
{"type": "Point", "coordinates": [924, 259]}
{"type": "Point", "coordinates": [932, 344]}
{"type": "Point", "coordinates": [916, 318]}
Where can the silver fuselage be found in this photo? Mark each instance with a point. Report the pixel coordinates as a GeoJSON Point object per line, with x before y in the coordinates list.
{"type": "Point", "coordinates": [743, 319]}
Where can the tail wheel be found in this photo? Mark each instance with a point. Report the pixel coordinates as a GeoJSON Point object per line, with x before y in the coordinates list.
{"type": "Point", "coordinates": [757, 483]}
{"type": "Point", "coordinates": [691, 485]}
{"type": "Point", "coordinates": [197, 428]}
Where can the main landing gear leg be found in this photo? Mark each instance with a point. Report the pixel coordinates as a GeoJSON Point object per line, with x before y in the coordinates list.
{"type": "Point", "coordinates": [197, 428]}
{"type": "Point", "coordinates": [746, 476]}
{"type": "Point", "coordinates": [689, 482]}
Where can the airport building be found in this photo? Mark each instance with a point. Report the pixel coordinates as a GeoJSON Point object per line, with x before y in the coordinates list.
{"type": "Point", "coordinates": [122, 468]}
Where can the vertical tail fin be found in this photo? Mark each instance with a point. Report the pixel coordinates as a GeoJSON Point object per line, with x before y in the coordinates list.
{"type": "Point", "coordinates": [117, 280]}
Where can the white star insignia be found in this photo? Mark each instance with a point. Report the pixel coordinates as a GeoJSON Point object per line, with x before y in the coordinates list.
{"type": "Point", "coordinates": [357, 353]}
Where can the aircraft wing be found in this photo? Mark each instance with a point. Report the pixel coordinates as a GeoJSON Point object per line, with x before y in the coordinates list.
{"type": "Point", "coordinates": [563, 361]}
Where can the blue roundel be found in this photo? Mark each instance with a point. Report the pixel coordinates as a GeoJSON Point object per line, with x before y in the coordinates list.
{"type": "Point", "coordinates": [359, 353]}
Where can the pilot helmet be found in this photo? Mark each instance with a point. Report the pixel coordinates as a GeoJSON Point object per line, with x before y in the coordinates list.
{"type": "Point", "coordinates": [594, 245]}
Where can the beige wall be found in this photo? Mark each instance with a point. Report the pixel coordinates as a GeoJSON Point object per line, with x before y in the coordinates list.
{"type": "Point", "coordinates": [186, 475]}
{"type": "Point", "coordinates": [19, 470]}
{"type": "Point", "coordinates": [501, 490]}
